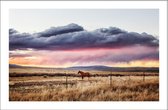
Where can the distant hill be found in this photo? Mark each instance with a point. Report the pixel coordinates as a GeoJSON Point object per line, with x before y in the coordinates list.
{"type": "Point", "coordinates": [117, 69]}
{"type": "Point", "coordinates": [99, 68]}
{"type": "Point", "coordinates": [14, 66]}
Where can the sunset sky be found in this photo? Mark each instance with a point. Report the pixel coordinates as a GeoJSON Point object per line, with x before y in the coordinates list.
{"type": "Point", "coordinates": [85, 37]}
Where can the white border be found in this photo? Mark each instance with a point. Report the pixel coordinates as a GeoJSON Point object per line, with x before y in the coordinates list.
{"type": "Point", "coordinates": [6, 5]}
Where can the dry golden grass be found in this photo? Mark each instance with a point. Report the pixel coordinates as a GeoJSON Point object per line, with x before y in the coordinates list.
{"type": "Point", "coordinates": [94, 89]}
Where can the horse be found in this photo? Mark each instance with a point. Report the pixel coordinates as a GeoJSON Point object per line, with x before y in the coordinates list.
{"type": "Point", "coordinates": [84, 74]}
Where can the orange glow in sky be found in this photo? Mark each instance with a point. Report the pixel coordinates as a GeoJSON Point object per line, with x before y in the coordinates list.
{"type": "Point", "coordinates": [121, 57]}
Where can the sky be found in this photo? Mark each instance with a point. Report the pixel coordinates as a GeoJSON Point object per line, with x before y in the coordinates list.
{"type": "Point", "coordinates": [84, 37]}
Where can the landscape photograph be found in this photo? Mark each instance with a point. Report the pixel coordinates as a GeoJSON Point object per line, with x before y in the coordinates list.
{"type": "Point", "coordinates": [84, 55]}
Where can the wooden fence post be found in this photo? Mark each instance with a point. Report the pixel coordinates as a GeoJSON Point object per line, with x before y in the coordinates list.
{"type": "Point", "coordinates": [129, 79]}
{"type": "Point", "coordinates": [144, 77]}
{"type": "Point", "coordinates": [66, 80]}
{"type": "Point", "coordinates": [110, 80]}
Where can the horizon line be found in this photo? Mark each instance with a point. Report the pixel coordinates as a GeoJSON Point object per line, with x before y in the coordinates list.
{"type": "Point", "coordinates": [36, 66]}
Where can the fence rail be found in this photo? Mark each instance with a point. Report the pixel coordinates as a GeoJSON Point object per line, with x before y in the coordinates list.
{"type": "Point", "coordinates": [67, 78]}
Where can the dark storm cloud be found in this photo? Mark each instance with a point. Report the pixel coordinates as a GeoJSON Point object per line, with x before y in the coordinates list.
{"type": "Point", "coordinates": [12, 31]}
{"type": "Point", "coordinates": [74, 36]}
{"type": "Point", "coordinates": [53, 31]}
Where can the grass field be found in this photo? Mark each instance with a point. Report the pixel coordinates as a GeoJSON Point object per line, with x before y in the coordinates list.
{"type": "Point", "coordinates": [44, 87]}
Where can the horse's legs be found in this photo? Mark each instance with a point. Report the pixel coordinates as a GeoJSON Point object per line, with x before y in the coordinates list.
{"type": "Point", "coordinates": [82, 77]}
{"type": "Point", "coordinates": [88, 77]}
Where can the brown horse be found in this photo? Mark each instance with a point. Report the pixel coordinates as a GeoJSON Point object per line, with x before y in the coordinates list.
{"type": "Point", "coordinates": [84, 74]}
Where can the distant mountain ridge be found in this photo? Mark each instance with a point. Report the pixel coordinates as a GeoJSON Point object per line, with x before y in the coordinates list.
{"type": "Point", "coordinates": [100, 68]}
{"type": "Point", "coordinates": [117, 69]}
{"type": "Point", "coordinates": [14, 66]}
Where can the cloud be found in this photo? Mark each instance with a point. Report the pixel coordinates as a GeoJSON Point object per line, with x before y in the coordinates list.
{"type": "Point", "coordinates": [129, 57]}
{"type": "Point", "coordinates": [53, 31]}
{"type": "Point", "coordinates": [14, 55]}
{"type": "Point", "coordinates": [12, 31]}
{"type": "Point", "coordinates": [74, 37]}
{"type": "Point", "coordinates": [95, 56]}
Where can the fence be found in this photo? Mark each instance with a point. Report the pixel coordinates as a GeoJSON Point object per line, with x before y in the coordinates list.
{"type": "Point", "coordinates": [144, 75]}
{"type": "Point", "coordinates": [67, 77]}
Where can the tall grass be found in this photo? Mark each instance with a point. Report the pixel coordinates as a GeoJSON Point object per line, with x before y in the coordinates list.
{"type": "Point", "coordinates": [95, 89]}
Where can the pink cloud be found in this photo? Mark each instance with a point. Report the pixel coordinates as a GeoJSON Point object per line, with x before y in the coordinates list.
{"type": "Point", "coordinates": [92, 56]}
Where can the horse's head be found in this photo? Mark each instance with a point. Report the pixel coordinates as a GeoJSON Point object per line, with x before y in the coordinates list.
{"type": "Point", "coordinates": [79, 71]}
